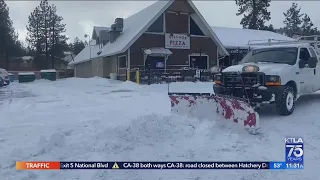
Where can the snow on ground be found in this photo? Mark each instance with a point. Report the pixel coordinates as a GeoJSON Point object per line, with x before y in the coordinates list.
{"type": "Point", "coordinates": [101, 120]}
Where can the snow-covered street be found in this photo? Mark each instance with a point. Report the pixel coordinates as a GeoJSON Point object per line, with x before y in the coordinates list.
{"type": "Point", "coordinates": [97, 119]}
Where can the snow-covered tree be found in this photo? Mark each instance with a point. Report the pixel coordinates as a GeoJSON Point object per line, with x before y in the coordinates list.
{"type": "Point", "coordinates": [255, 13]}
{"type": "Point", "coordinates": [292, 20]}
{"type": "Point", "coordinates": [46, 32]}
{"type": "Point", "coordinates": [9, 45]}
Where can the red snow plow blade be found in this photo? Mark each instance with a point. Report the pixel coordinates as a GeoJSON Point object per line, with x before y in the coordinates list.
{"type": "Point", "coordinates": [206, 105]}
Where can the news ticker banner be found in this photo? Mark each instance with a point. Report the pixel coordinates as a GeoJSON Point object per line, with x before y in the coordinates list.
{"type": "Point", "coordinates": [150, 165]}
{"type": "Point", "coordinates": [293, 160]}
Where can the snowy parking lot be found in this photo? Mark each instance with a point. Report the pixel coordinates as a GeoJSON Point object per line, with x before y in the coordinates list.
{"type": "Point", "coordinates": [97, 119]}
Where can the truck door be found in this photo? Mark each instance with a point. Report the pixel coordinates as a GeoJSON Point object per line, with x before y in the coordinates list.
{"type": "Point", "coordinates": [316, 71]}
{"type": "Point", "coordinates": [306, 74]}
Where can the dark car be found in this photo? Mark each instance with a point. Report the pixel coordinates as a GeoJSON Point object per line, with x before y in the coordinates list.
{"type": "Point", "coordinates": [5, 77]}
{"type": "Point", "coordinates": [2, 83]}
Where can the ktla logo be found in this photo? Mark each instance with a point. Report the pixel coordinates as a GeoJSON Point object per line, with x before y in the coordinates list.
{"type": "Point", "coordinates": [295, 147]}
{"type": "Point", "coordinates": [296, 150]}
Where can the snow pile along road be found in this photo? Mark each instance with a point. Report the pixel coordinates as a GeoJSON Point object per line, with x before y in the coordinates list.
{"type": "Point", "coordinates": [101, 120]}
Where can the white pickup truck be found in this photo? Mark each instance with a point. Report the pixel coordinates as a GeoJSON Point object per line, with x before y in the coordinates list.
{"type": "Point", "coordinates": [277, 73]}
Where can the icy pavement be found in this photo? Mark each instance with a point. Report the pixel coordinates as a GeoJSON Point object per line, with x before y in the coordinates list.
{"type": "Point", "coordinates": [100, 120]}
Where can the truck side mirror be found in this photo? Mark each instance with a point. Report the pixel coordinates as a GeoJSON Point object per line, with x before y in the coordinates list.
{"type": "Point", "coordinates": [301, 63]}
{"type": "Point", "coordinates": [312, 62]}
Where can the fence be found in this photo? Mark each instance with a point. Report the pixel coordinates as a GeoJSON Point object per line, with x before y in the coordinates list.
{"type": "Point", "coordinates": [16, 76]}
{"type": "Point", "coordinates": [156, 76]}
{"type": "Point", "coordinates": [65, 73]}
{"type": "Point", "coordinates": [60, 73]}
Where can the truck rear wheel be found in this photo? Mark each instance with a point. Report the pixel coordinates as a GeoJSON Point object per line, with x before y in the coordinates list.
{"type": "Point", "coordinates": [286, 103]}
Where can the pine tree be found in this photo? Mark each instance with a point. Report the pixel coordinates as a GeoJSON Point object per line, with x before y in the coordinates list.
{"type": "Point", "coordinates": [34, 36]}
{"type": "Point", "coordinates": [77, 46]}
{"type": "Point", "coordinates": [58, 41]}
{"type": "Point", "coordinates": [7, 35]}
{"type": "Point", "coordinates": [255, 13]}
{"type": "Point", "coordinates": [36, 39]}
{"type": "Point", "coordinates": [18, 48]}
{"type": "Point", "coordinates": [45, 32]}
{"type": "Point", "coordinates": [315, 31]}
{"type": "Point", "coordinates": [307, 26]}
{"type": "Point", "coordinates": [44, 10]}
{"type": "Point", "coordinates": [280, 31]}
{"type": "Point", "coordinates": [292, 20]}
{"type": "Point", "coordinates": [268, 28]}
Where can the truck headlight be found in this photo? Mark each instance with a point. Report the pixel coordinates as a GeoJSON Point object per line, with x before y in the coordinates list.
{"type": "Point", "coordinates": [218, 79]}
{"type": "Point", "coordinates": [250, 68]}
{"type": "Point", "coordinates": [273, 80]}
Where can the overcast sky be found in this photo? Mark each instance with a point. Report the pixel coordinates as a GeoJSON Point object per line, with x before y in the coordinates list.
{"type": "Point", "coordinates": [81, 16]}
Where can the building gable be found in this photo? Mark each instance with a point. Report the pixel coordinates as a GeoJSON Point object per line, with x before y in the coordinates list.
{"type": "Point", "coordinates": [188, 7]}
{"type": "Point", "coordinates": [157, 26]}
{"type": "Point", "coordinates": [181, 16]}
{"type": "Point", "coordinates": [194, 28]}
{"type": "Point", "coordinates": [137, 24]}
{"type": "Point", "coordinates": [181, 6]}
{"type": "Point", "coordinates": [176, 19]}
{"type": "Point", "coordinates": [179, 23]}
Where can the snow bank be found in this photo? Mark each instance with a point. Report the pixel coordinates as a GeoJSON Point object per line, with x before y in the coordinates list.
{"type": "Point", "coordinates": [87, 120]}
{"type": "Point", "coordinates": [26, 73]}
{"type": "Point", "coordinates": [48, 70]}
{"type": "Point", "coordinates": [191, 87]}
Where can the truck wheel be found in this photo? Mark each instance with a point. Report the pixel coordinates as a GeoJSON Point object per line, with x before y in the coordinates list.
{"type": "Point", "coordinates": [286, 103]}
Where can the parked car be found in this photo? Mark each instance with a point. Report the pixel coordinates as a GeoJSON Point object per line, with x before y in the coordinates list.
{"type": "Point", "coordinates": [5, 77]}
{"type": "Point", "coordinates": [2, 83]}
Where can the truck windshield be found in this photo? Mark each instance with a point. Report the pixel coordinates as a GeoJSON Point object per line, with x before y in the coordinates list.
{"type": "Point", "coordinates": [272, 55]}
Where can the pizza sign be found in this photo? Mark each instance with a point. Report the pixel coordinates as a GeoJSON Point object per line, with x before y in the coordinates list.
{"type": "Point", "coordinates": [177, 41]}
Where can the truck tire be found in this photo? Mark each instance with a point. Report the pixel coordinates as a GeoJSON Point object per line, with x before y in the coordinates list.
{"type": "Point", "coordinates": [286, 103]}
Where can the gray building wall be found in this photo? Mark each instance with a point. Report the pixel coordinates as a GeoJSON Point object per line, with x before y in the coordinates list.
{"type": "Point", "coordinates": [106, 65]}
{"type": "Point", "coordinates": [110, 65]}
{"type": "Point", "coordinates": [97, 67]}
{"type": "Point", "coordinates": [83, 70]}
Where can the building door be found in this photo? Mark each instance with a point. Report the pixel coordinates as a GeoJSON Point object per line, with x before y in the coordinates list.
{"type": "Point", "coordinates": [199, 62]}
{"type": "Point", "coordinates": [155, 62]}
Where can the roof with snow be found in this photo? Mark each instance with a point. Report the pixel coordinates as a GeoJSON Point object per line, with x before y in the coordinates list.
{"type": "Point", "coordinates": [238, 37]}
{"type": "Point", "coordinates": [97, 29]}
{"type": "Point", "coordinates": [85, 54]}
{"type": "Point", "coordinates": [135, 26]}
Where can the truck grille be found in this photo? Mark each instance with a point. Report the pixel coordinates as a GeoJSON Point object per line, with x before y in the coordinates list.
{"type": "Point", "coordinates": [248, 79]}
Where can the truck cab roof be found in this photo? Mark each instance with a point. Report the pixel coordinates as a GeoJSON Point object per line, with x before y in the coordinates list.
{"type": "Point", "coordinates": [304, 42]}
{"type": "Point", "coordinates": [282, 45]}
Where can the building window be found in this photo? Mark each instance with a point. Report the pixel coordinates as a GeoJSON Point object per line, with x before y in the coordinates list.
{"type": "Point", "coordinates": [157, 26]}
{"type": "Point", "coordinates": [194, 28]}
{"type": "Point", "coordinates": [122, 61]}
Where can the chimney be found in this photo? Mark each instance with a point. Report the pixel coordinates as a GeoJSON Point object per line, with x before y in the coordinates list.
{"type": "Point", "coordinates": [116, 29]}
{"type": "Point", "coordinates": [119, 24]}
